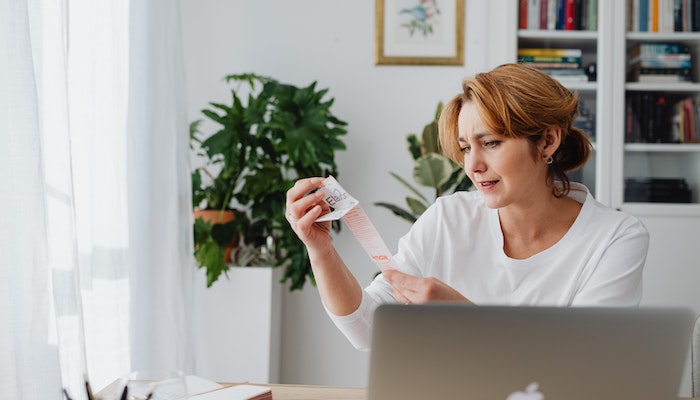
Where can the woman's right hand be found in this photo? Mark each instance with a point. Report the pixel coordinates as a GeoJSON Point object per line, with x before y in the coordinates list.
{"type": "Point", "coordinates": [302, 210]}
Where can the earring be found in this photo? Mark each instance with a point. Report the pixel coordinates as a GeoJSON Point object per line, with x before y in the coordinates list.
{"type": "Point", "coordinates": [549, 160]}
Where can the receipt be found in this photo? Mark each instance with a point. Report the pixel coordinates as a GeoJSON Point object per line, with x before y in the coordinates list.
{"type": "Point", "coordinates": [344, 206]}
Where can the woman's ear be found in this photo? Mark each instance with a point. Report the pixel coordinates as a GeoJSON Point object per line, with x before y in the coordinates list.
{"type": "Point", "coordinates": [550, 141]}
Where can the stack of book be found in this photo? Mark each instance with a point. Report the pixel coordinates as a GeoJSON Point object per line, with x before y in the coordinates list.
{"type": "Point", "coordinates": [657, 190]}
{"type": "Point", "coordinates": [660, 63]}
{"type": "Point", "coordinates": [562, 64]}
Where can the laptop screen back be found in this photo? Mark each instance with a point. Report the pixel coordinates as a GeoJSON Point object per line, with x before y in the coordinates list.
{"type": "Point", "coordinates": [450, 351]}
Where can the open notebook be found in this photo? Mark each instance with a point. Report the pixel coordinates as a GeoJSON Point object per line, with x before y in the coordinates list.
{"type": "Point", "coordinates": [443, 351]}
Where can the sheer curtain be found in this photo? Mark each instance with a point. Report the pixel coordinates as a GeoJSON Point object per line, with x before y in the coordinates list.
{"type": "Point", "coordinates": [95, 212]}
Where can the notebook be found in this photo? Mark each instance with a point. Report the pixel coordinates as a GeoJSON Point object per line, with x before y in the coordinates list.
{"type": "Point", "coordinates": [450, 351]}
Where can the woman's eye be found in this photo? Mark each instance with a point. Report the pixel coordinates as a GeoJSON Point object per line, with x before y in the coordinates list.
{"type": "Point", "coordinates": [465, 149]}
{"type": "Point", "coordinates": [491, 143]}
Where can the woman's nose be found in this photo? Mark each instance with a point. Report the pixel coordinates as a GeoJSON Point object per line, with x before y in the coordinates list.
{"type": "Point", "coordinates": [474, 162]}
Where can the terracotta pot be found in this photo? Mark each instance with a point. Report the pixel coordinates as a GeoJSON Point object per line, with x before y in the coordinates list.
{"type": "Point", "coordinates": [219, 217]}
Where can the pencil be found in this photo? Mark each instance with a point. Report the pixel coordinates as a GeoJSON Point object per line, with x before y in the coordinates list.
{"type": "Point", "coordinates": [125, 392]}
{"type": "Point", "coordinates": [88, 390]}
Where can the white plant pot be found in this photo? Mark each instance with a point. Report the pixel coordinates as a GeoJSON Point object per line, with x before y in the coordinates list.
{"type": "Point", "coordinates": [238, 324]}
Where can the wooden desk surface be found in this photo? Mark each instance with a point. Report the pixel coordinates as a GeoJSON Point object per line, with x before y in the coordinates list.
{"type": "Point", "coordinates": [310, 392]}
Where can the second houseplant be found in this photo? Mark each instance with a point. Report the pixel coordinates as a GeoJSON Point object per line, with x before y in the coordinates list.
{"type": "Point", "coordinates": [431, 168]}
{"type": "Point", "coordinates": [254, 148]}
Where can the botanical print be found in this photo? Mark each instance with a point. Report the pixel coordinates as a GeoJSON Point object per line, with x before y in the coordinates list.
{"type": "Point", "coordinates": [420, 17]}
{"type": "Point", "coordinates": [419, 32]}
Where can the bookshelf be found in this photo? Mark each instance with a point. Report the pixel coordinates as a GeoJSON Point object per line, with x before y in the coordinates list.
{"type": "Point", "coordinates": [653, 160]}
{"type": "Point", "coordinates": [616, 160]}
{"type": "Point", "coordinates": [592, 93]}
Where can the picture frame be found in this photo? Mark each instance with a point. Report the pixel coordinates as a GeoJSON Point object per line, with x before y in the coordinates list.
{"type": "Point", "coordinates": [419, 32]}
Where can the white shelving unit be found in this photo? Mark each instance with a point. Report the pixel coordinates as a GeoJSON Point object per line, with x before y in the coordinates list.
{"type": "Point", "coordinates": [595, 49]}
{"type": "Point", "coordinates": [663, 160]}
{"type": "Point", "coordinates": [614, 160]}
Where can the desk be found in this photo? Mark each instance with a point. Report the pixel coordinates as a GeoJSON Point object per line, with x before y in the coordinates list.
{"type": "Point", "coordinates": [305, 392]}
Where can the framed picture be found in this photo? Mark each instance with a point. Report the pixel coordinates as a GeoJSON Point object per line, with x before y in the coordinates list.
{"type": "Point", "coordinates": [419, 32]}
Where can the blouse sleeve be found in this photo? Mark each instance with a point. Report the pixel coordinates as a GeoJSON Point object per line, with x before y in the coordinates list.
{"type": "Point", "coordinates": [617, 279]}
{"type": "Point", "coordinates": [357, 327]}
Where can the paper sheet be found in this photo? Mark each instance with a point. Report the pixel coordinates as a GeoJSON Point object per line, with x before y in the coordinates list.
{"type": "Point", "coordinates": [344, 206]}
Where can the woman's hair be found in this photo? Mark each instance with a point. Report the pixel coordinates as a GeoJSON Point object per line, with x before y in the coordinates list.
{"type": "Point", "coordinates": [519, 101]}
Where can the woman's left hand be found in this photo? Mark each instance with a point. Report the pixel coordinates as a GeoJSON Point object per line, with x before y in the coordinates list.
{"type": "Point", "coordinates": [412, 289]}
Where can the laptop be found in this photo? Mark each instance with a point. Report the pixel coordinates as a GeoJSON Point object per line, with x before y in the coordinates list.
{"type": "Point", "coordinates": [451, 351]}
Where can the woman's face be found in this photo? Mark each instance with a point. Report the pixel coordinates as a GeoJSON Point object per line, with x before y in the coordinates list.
{"type": "Point", "coordinates": [503, 169]}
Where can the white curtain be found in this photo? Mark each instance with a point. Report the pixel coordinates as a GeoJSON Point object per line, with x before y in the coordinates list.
{"type": "Point", "coordinates": [95, 211]}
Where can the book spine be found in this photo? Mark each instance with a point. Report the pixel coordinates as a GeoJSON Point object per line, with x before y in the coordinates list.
{"type": "Point", "coordinates": [643, 15]}
{"type": "Point", "coordinates": [542, 65]}
{"type": "Point", "coordinates": [677, 15]}
{"type": "Point", "coordinates": [549, 52]}
{"type": "Point", "coordinates": [580, 15]}
{"type": "Point", "coordinates": [557, 59]}
{"type": "Point", "coordinates": [684, 16]}
{"type": "Point", "coordinates": [552, 14]}
{"type": "Point", "coordinates": [561, 14]}
{"type": "Point", "coordinates": [653, 15]}
{"type": "Point", "coordinates": [522, 20]}
{"type": "Point", "coordinates": [544, 4]}
{"type": "Point", "coordinates": [634, 16]}
{"type": "Point", "coordinates": [569, 14]}
{"type": "Point", "coordinates": [533, 14]}
{"type": "Point", "coordinates": [592, 20]}
{"type": "Point", "coordinates": [659, 48]}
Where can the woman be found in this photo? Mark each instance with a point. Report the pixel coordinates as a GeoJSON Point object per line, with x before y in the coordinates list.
{"type": "Point", "coordinates": [527, 236]}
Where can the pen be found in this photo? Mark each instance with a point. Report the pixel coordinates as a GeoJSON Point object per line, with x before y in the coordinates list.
{"type": "Point", "coordinates": [125, 392]}
{"type": "Point", "coordinates": [65, 392]}
{"type": "Point", "coordinates": [88, 390]}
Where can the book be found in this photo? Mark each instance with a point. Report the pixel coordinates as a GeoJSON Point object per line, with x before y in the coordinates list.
{"type": "Point", "coordinates": [552, 14]}
{"type": "Point", "coordinates": [658, 48]}
{"type": "Point", "coordinates": [554, 65]}
{"type": "Point", "coordinates": [660, 75]}
{"type": "Point", "coordinates": [564, 79]}
{"type": "Point", "coordinates": [592, 20]}
{"type": "Point", "coordinates": [661, 61]}
{"type": "Point", "coordinates": [551, 59]}
{"type": "Point", "coordinates": [569, 14]}
{"type": "Point", "coordinates": [543, 51]}
{"type": "Point", "coordinates": [643, 16]}
{"type": "Point", "coordinates": [533, 14]}
{"type": "Point", "coordinates": [657, 190]}
{"type": "Point", "coordinates": [544, 7]}
{"type": "Point", "coordinates": [522, 17]}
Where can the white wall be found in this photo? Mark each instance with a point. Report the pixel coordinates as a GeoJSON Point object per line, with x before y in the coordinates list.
{"type": "Point", "coordinates": [331, 41]}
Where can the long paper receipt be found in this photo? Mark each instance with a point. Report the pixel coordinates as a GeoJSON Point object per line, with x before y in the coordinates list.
{"type": "Point", "coordinates": [348, 208]}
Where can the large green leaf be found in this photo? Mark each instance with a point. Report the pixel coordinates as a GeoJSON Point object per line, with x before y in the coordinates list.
{"type": "Point", "coordinates": [432, 170]}
{"type": "Point", "coordinates": [417, 207]}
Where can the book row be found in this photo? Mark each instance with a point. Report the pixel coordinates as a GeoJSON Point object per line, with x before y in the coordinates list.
{"type": "Point", "coordinates": [659, 63]}
{"type": "Point", "coordinates": [663, 15]}
{"type": "Point", "coordinates": [558, 15]}
{"type": "Point", "coordinates": [656, 117]}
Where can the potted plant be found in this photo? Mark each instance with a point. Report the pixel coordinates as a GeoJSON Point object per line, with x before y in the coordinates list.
{"type": "Point", "coordinates": [269, 135]}
{"type": "Point", "coordinates": [431, 168]}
